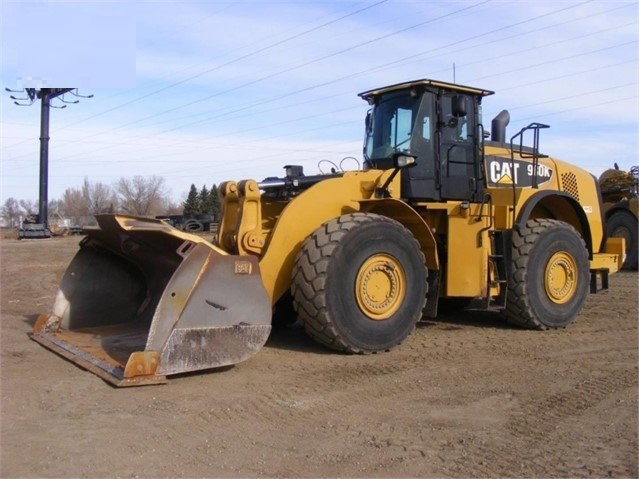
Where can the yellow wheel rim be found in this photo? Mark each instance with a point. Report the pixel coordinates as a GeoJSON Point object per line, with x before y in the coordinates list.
{"type": "Point", "coordinates": [380, 287]}
{"type": "Point", "coordinates": [560, 278]}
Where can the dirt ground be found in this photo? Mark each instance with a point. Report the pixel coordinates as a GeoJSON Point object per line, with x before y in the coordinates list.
{"type": "Point", "coordinates": [464, 396]}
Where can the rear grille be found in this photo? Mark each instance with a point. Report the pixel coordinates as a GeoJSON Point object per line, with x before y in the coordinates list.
{"type": "Point", "coordinates": [569, 185]}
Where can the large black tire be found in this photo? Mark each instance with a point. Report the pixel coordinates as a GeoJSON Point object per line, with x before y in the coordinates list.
{"type": "Point", "coordinates": [550, 275]}
{"type": "Point", "coordinates": [623, 224]}
{"type": "Point", "coordinates": [191, 226]}
{"type": "Point", "coordinates": [359, 283]}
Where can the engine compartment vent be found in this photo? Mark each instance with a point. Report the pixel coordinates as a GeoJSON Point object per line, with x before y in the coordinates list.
{"type": "Point", "coordinates": [569, 184]}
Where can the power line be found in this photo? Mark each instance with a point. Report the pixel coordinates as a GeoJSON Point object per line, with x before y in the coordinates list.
{"type": "Point", "coordinates": [303, 90]}
{"type": "Point", "coordinates": [255, 105]}
{"type": "Point", "coordinates": [204, 145]}
{"type": "Point", "coordinates": [295, 92]}
{"type": "Point", "coordinates": [404, 61]}
{"type": "Point", "coordinates": [289, 69]}
{"type": "Point", "coordinates": [228, 63]}
{"type": "Point", "coordinates": [233, 61]}
{"type": "Point", "coordinates": [581, 107]}
{"type": "Point", "coordinates": [569, 75]}
{"type": "Point", "coordinates": [483, 60]}
{"type": "Point", "coordinates": [570, 97]}
{"type": "Point", "coordinates": [569, 57]}
{"type": "Point", "coordinates": [492, 31]}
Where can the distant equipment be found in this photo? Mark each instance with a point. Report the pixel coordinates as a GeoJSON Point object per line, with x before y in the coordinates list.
{"type": "Point", "coordinates": [619, 191]}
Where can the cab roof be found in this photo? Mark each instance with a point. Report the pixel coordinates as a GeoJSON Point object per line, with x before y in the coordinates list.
{"type": "Point", "coordinates": [370, 94]}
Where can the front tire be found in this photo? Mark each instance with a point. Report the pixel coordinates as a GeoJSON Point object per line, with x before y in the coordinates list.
{"type": "Point", "coordinates": [550, 275]}
{"type": "Point", "coordinates": [359, 283]}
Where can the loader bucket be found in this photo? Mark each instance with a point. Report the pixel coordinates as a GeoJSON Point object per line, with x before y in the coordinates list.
{"type": "Point", "coordinates": [142, 300]}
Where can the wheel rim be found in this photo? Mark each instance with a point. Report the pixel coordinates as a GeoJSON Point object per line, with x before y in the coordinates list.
{"type": "Point", "coordinates": [380, 287]}
{"type": "Point", "coordinates": [561, 277]}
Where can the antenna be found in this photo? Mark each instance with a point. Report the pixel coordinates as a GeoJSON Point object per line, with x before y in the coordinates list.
{"type": "Point", "coordinates": [45, 95]}
{"type": "Point", "coordinates": [454, 78]}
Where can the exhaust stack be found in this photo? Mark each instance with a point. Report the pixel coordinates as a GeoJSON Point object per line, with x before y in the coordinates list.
{"type": "Point", "coordinates": [498, 126]}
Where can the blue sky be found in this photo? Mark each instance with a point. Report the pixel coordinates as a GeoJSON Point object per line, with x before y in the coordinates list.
{"type": "Point", "coordinates": [202, 92]}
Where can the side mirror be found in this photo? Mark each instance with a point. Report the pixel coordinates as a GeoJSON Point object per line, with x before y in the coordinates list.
{"type": "Point", "coordinates": [367, 122]}
{"type": "Point", "coordinates": [458, 105]}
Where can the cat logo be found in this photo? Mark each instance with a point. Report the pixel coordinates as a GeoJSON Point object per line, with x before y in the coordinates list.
{"type": "Point", "coordinates": [503, 172]}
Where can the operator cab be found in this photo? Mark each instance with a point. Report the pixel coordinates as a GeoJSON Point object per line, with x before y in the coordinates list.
{"type": "Point", "coordinates": [440, 124]}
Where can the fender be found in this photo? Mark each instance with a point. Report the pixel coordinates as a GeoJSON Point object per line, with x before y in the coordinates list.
{"type": "Point", "coordinates": [303, 215]}
{"type": "Point", "coordinates": [562, 207]}
{"type": "Point", "coordinates": [407, 216]}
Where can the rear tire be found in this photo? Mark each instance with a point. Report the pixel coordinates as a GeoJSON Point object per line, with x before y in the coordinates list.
{"type": "Point", "coordinates": [359, 283]}
{"type": "Point", "coordinates": [623, 224]}
{"type": "Point", "coordinates": [550, 275]}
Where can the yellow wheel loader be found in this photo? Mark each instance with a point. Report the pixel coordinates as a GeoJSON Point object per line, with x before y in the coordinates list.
{"type": "Point", "coordinates": [437, 213]}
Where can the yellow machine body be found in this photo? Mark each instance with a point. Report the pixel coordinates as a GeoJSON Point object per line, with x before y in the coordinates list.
{"type": "Point", "coordinates": [279, 228]}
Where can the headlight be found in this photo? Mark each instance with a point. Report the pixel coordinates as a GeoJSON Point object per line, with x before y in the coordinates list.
{"type": "Point", "coordinates": [403, 160]}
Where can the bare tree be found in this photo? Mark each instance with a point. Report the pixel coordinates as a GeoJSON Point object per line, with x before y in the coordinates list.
{"type": "Point", "coordinates": [10, 211]}
{"type": "Point", "coordinates": [144, 196]}
{"type": "Point", "coordinates": [74, 204]}
{"type": "Point", "coordinates": [172, 208]}
{"type": "Point", "coordinates": [29, 207]}
{"type": "Point", "coordinates": [81, 204]}
{"type": "Point", "coordinates": [99, 197]}
{"type": "Point", "coordinates": [55, 206]}
{"type": "Point", "coordinates": [55, 212]}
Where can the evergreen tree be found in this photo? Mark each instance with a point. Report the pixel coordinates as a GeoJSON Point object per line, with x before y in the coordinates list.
{"type": "Point", "coordinates": [214, 201]}
{"type": "Point", "coordinates": [191, 205]}
{"type": "Point", "coordinates": [203, 198]}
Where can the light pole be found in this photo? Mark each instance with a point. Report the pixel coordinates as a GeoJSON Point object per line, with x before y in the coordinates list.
{"type": "Point", "coordinates": [45, 95]}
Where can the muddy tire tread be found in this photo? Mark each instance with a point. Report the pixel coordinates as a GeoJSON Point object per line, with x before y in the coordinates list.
{"type": "Point", "coordinates": [518, 310]}
{"type": "Point", "coordinates": [310, 275]}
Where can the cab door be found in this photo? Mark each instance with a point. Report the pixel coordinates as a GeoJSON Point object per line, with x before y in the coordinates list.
{"type": "Point", "coordinates": [459, 169]}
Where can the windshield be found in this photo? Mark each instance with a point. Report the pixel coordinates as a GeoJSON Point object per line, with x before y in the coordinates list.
{"type": "Point", "coordinates": [390, 126]}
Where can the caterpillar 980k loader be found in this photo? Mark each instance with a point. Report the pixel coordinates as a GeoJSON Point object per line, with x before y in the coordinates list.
{"type": "Point", "coordinates": [436, 213]}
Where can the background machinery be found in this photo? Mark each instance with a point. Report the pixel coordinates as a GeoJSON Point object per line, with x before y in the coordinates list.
{"type": "Point", "coordinates": [436, 213]}
{"type": "Point", "coordinates": [619, 190]}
